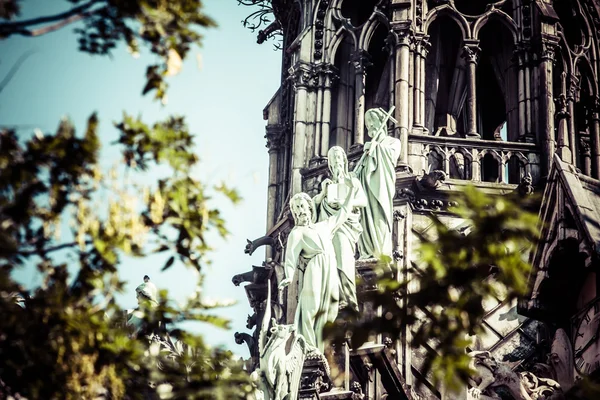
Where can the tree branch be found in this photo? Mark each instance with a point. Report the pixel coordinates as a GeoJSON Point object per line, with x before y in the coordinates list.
{"type": "Point", "coordinates": [50, 249]}
{"type": "Point", "coordinates": [60, 20]}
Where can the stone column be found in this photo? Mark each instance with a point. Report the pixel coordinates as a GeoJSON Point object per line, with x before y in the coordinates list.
{"type": "Point", "coordinates": [595, 138]}
{"type": "Point", "coordinates": [562, 116]}
{"type": "Point", "coordinates": [547, 104]}
{"type": "Point", "coordinates": [360, 61]}
{"type": "Point", "coordinates": [421, 48]}
{"type": "Point", "coordinates": [401, 94]}
{"type": "Point", "coordinates": [301, 77]}
{"type": "Point", "coordinates": [328, 80]}
{"type": "Point", "coordinates": [573, 86]}
{"type": "Point", "coordinates": [584, 145]}
{"type": "Point", "coordinates": [519, 61]}
{"type": "Point", "coordinates": [425, 46]}
{"type": "Point", "coordinates": [471, 55]}
{"type": "Point", "coordinates": [529, 134]}
{"type": "Point", "coordinates": [274, 137]}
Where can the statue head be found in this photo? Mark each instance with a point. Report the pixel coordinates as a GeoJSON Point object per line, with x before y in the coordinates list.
{"type": "Point", "coordinates": [147, 292]}
{"type": "Point", "coordinates": [337, 162]}
{"type": "Point", "coordinates": [303, 209]}
{"type": "Point", "coordinates": [374, 117]}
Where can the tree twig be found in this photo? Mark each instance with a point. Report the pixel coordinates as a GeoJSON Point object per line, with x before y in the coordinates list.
{"type": "Point", "coordinates": [14, 69]}
{"type": "Point", "coordinates": [60, 20]}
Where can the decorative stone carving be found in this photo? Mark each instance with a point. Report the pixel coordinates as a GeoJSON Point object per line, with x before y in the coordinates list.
{"type": "Point", "coordinates": [525, 187]}
{"type": "Point", "coordinates": [471, 53]}
{"type": "Point", "coordinates": [376, 171]}
{"type": "Point", "coordinates": [282, 357]}
{"type": "Point", "coordinates": [357, 390]}
{"type": "Point", "coordinates": [328, 203]}
{"type": "Point", "coordinates": [431, 180]}
{"type": "Point", "coordinates": [491, 374]}
{"type": "Point", "coordinates": [318, 300]}
{"type": "Point", "coordinates": [147, 297]}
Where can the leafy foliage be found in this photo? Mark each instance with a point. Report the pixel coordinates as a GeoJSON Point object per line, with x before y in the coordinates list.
{"type": "Point", "coordinates": [454, 272]}
{"type": "Point", "coordinates": [168, 28]}
{"type": "Point", "coordinates": [60, 212]}
{"type": "Point", "coordinates": [70, 328]}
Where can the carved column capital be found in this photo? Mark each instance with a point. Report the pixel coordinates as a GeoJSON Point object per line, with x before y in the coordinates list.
{"type": "Point", "coordinates": [328, 74]}
{"type": "Point", "coordinates": [586, 148]}
{"type": "Point", "coordinates": [471, 52]}
{"type": "Point", "coordinates": [561, 106]}
{"type": "Point", "coordinates": [274, 137]}
{"type": "Point", "coordinates": [595, 108]}
{"type": "Point", "coordinates": [360, 60]}
{"type": "Point", "coordinates": [548, 49]}
{"type": "Point", "coordinates": [573, 86]}
{"type": "Point", "coordinates": [402, 33]}
{"type": "Point", "coordinates": [303, 76]}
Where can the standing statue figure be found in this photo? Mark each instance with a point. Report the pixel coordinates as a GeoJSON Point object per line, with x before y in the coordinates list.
{"type": "Point", "coordinates": [318, 300]}
{"type": "Point", "coordinates": [328, 203]}
{"type": "Point", "coordinates": [376, 171]}
{"type": "Point", "coordinates": [147, 297]}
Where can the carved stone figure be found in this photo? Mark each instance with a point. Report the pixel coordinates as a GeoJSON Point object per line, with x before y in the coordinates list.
{"type": "Point", "coordinates": [522, 386]}
{"type": "Point", "coordinates": [318, 300]}
{"type": "Point", "coordinates": [376, 171]}
{"type": "Point", "coordinates": [328, 203]}
{"type": "Point", "coordinates": [431, 180]}
{"type": "Point", "coordinates": [147, 296]}
{"type": "Point", "coordinates": [282, 356]}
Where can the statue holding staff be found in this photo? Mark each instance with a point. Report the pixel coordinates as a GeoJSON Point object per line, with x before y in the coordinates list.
{"type": "Point", "coordinates": [376, 171]}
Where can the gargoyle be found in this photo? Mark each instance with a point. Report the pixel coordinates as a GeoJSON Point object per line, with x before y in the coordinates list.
{"type": "Point", "coordinates": [525, 187]}
{"type": "Point", "coordinates": [522, 386]}
{"type": "Point", "coordinates": [258, 274]}
{"type": "Point", "coordinates": [251, 246]}
{"type": "Point", "coordinates": [431, 180]}
{"type": "Point", "coordinates": [280, 369]}
{"type": "Point", "coordinates": [244, 337]}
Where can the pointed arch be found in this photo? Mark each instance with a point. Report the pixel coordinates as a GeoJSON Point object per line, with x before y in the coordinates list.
{"type": "Point", "coordinates": [500, 16]}
{"type": "Point", "coordinates": [447, 10]}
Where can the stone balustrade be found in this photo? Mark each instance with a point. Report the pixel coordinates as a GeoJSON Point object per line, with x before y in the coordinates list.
{"type": "Point", "coordinates": [474, 159]}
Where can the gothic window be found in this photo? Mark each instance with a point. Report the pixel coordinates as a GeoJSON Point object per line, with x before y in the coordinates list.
{"type": "Point", "coordinates": [342, 106]}
{"type": "Point", "coordinates": [377, 79]}
{"type": "Point", "coordinates": [445, 82]}
{"type": "Point", "coordinates": [497, 101]}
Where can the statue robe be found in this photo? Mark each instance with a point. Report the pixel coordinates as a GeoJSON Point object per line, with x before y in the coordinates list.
{"type": "Point", "coordinates": [377, 175]}
{"type": "Point", "coordinates": [318, 301]}
{"type": "Point", "coordinates": [344, 244]}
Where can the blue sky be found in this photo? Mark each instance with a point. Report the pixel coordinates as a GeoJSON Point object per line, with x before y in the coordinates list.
{"type": "Point", "coordinates": [222, 102]}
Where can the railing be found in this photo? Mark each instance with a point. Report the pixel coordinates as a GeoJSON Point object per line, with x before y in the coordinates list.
{"type": "Point", "coordinates": [475, 159]}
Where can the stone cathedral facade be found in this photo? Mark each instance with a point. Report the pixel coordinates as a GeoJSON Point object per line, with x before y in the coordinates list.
{"type": "Point", "coordinates": [500, 94]}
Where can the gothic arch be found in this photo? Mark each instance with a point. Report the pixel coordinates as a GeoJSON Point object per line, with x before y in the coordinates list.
{"type": "Point", "coordinates": [366, 34]}
{"type": "Point", "coordinates": [499, 16]}
{"type": "Point", "coordinates": [583, 65]}
{"type": "Point", "coordinates": [334, 43]}
{"type": "Point", "coordinates": [447, 10]}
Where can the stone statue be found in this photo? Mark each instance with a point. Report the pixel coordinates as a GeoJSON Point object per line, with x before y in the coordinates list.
{"type": "Point", "coordinates": [328, 203]}
{"type": "Point", "coordinates": [318, 300]}
{"type": "Point", "coordinates": [281, 356]}
{"type": "Point", "coordinates": [376, 171]}
{"type": "Point", "coordinates": [491, 373]}
{"type": "Point", "coordinates": [147, 297]}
